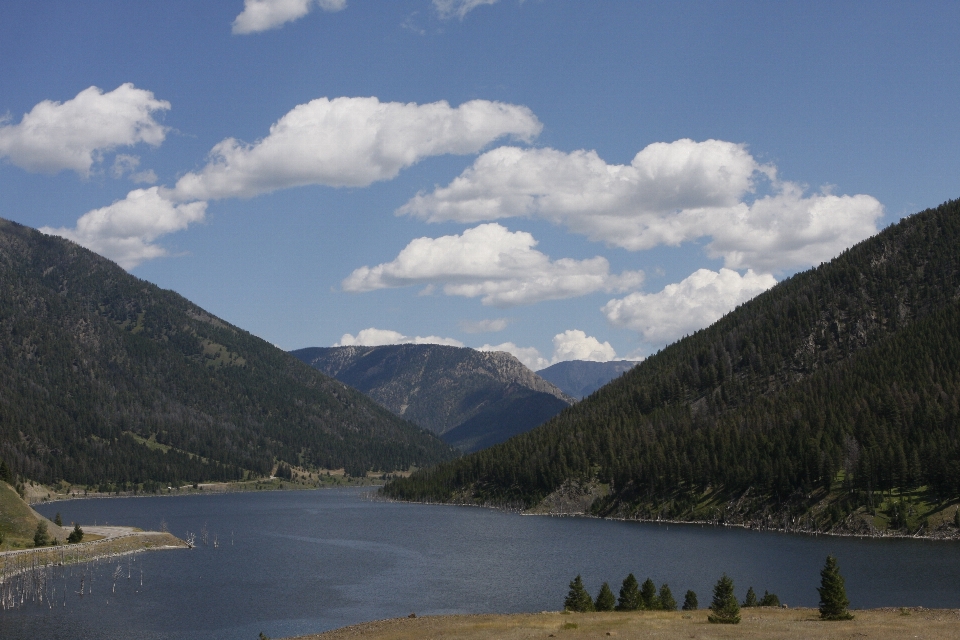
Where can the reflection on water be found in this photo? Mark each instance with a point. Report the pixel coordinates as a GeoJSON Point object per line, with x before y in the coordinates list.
{"type": "Point", "coordinates": [290, 563]}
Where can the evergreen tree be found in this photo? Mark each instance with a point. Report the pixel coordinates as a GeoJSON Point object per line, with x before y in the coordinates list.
{"type": "Point", "coordinates": [58, 521]}
{"type": "Point", "coordinates": [690, 601]}
{"type": "Point", "coordinates": [577, 598]}
{"type": "Point", "coordinates": [40, 538]}
{"type": "Point", "coordinates": [665, 598]}
{"type": "Point", "coordinates": [724, 607]}
{"type": "Point", "coordinates": [605, 600]}
{"type": "Point", "coordinates": [833, 595]}
{"type": "Point", "coordinates": [769, 600]}
{"type": "Point", "coordinates": [5, 472]}
{"type": "Point", "coordinates": [629, 599]}
{"type": "Point", "coordinates": [956, 517]}
{"type": "Point", "coordinates": [648, 595]}
{"type": "Point", "coordinates": [76, 535]}
{"type": "Point", "coordinates": [751, 599]}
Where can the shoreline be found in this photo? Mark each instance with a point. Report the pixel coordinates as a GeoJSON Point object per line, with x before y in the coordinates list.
{"type": "Point", "coordinates": [953, 537]}
{"type": "Point", "coordinates": [188, 490]}
{"type": "Point", "coordinates": [14, 562]}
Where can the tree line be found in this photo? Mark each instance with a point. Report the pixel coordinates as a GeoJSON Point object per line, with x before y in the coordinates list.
{"type": "Point", "coordinates": [724, 608]}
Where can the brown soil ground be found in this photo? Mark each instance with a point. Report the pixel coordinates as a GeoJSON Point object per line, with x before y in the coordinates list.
{"type": "Point", "coordinates": [782, 624]}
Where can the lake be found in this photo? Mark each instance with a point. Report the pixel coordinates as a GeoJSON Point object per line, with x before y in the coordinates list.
{"type": "Point", "coordinates": [296, 562]}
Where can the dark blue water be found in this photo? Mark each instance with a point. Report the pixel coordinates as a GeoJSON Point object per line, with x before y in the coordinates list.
{"type": "Point", "coordinates": [293, 563]}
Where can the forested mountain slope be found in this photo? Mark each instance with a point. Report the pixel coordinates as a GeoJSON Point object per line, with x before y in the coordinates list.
{"type": "Point", "coordinates": [839, 382]}
{"type": "Point", "coordinates": [471, 398]}
{"type": "Point", "coordinates": [93, 361]}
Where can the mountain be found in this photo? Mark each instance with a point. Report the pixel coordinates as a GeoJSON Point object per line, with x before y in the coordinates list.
{"type": "Point", "coordinates": [830, 402]}
{"type": "Point", "coordinates": [106, 378]}
{"type": "Point", "coordinates": [472, 399]}
{"type": "Point", "coordinates": [580, 378]}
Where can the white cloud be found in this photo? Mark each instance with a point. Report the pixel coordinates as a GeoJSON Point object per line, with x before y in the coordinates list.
{"type": "Point", "coordinates": [670, 193]}
{"type": "Point", "coordinates": [124, 164]}
{"type": "Point", "coordinates": [789, 229]}
{"type": "Point", "coordinates": [493, 263]}
{"type": "Point", "coordinates": [460, 8]}
{"type": "Point", "coordinates": [74, 134]}
{"type": "Point", "coordinates": [529, 356]}
{"type": "Point", "coordinates": [262, 15]}
{"type": "Point", "coordinates": [373, 337]}
{"type": "Point", "coordinates": [484, 326]}
{"type": "Point", "coordinates": [572, 344]}
{"type": "Point", "coordinates": [683, 308]}
{"type": "Point", "coordinates": [125, 230]}
{"type": "Point", "coordinates": [352, 142]}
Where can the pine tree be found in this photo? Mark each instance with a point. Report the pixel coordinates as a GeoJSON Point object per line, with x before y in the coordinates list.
{"type": "Point", "coordinates": [577, 598]}
{"type": "Point", "coordinates": [76, 535]}
{"type": "Point", "coordinates": [665, 598]}
{"type": "Point", "coordinates": [690, 601]}
{"type": "Point", "coordinates": [724, 606]}
{"type": "Point", "coordinates": [769, 600]}
{"type": "Point", "coordinates": [605, 600]}
{"type": "Point", "coordinates": [58, 521]}
{"type": "Point", "coordinates": [648, 595]}
{"type": "Point", "coordinates": [956, 517]}
{"type": "Point", "coordinates": [833, 595]}
{"type": "Point", "coordinates": [629, 599]}
{"type": "Point", "coordinates": [751, 599]}
{"type": "Point", "coordinates": [40, 538]}
{"type": "Point", "coordinates": [5, 472]}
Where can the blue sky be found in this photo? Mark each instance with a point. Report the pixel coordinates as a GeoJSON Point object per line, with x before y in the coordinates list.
{"type": "Point", "coordinates": [559, 179]}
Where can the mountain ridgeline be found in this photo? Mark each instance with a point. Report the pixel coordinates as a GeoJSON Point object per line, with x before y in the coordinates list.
{"type": "Point", "coordinates": [107, 379]}
{"type": "Point", "coordinates": [820, 401]}
{"type": "Point", "coordinates": [580, 378]}
{"type": "Point", "coordinates": [472, 399]}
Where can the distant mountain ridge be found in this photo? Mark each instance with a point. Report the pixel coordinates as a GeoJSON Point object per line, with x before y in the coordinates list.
{"type": "Point", "coordinates": [95, 362]}
{"type": "Point", "coordinates": [470, 398]}
{"type": "Point", "coordinates": [580, 378]}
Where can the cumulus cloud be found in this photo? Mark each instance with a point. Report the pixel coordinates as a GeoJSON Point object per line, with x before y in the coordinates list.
{"type": "Point", "coordinates": [126, 230]}
{"type": "Point", "coordinates": [75, 134]}
{"type": "Point", "coordinates": [373, 337]}
{"type": "Point", "coordinates": [262, 15]}
{"type": "Point", "coordinates": [572, 344]}
{"type": "Point", "coordinates": [460, 8]}
{"type": "Point", "coordinates": [352, 142]}
{"type": "Point", "coordinates": [685, 307]}
{"type": "Point", "coordinates": [529, 356]}
{"type": "Point", "coordinates": [483, 326]}
{"type": "Point", "coordinates": [670, 193]}
{"type": "Point", "coordinates": [497, 265]}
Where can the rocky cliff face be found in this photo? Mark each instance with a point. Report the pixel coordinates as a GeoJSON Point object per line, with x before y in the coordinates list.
{"type": "Point", "coordinates": [441, 388]}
